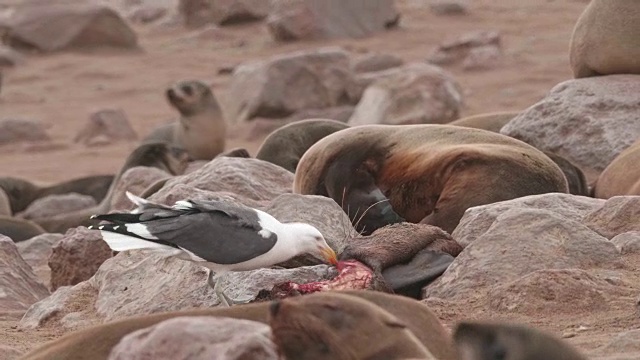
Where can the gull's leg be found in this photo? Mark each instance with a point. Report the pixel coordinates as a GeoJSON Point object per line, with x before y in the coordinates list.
{"type": "Point", "coordinates": [214, 282]}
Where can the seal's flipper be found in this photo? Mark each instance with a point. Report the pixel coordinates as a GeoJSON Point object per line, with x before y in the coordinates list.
{"type": "Point", "coordinates": [408, 279]}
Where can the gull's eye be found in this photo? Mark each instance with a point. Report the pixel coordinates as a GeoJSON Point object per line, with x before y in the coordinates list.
{"type": "Point", "coordinates": [318, 238]}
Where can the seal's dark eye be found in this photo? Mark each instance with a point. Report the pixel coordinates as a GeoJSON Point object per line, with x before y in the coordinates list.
{"type": "Point", "coordinates": [187, 90]}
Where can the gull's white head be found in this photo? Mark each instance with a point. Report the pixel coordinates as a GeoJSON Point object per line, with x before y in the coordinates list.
{"type": "Point", "coordinates": [310, 241]}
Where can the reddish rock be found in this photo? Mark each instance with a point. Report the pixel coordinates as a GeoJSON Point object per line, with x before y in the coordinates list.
{"type": "Point", "coordinates": [77, 257]}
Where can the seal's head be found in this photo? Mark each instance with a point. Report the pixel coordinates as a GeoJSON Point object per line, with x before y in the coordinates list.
{"type": "Point", "coordinates": [189, 96]}
{"type": "Point", "coordinates": [351, 182]}
{"type": "Point", "coordinates": [496, 341]}
{"type": "Point", "coordinates": [338, 326]}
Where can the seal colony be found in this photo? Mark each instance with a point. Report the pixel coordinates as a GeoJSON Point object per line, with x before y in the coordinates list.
{"type": "Point", "coordinates": [430, 174]}
{"type": "Point", "coordinates": [220, 236]}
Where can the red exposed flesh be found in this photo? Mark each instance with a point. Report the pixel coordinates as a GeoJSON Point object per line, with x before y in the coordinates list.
{"type": "Point", "coordinates": [352, 275]}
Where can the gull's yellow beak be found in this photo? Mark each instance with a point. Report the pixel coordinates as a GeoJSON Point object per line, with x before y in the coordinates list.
{"type": "Point", "coordinates": [330, 255]}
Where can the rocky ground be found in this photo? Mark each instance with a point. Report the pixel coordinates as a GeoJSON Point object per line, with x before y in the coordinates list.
{"type": "Point", "coordinates": [595, 297]}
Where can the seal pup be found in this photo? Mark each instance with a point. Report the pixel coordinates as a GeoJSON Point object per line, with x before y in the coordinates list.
{"type": "Point", "coordinates": [19, 229]}
{"type": "Point", "coordinates": [606, 39]}
{"type": "Point", "coordinates": [621, 176]}
{"type": "Point", "coordinates": [424, 173]}
{"type": "Point", "coordinates": [340, 327]}
{"type": "Point", "coordinates": [201, 129]}
{"type": "Point", "coordinates": [171, 159]}
{"type": "Point", "coordinates": [490, 341]}
{"type": "Point", "coordinates": [286, 145]}
{"type": "Point", "coordinates": [95, 342]}
{"type": "Point", "coordinates": [21, 192]}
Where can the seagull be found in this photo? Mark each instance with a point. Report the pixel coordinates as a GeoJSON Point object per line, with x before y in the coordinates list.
{"type": "Point", "coordinates": [218, 235]}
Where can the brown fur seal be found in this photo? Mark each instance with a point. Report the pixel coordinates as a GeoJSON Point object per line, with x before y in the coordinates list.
{"type": "Point", "coordinates": [285, 146]}
{"type": "Point", "coordinates": [495, 121]}
{"type": "Point", "coordinates": [489, 121]}
{"type": "Point", "coordinates": [19, 229]}
{"type": "Point", "coordinates": [173, 160]}
{"type": "Point", "coordinates": [621, 176]}
{"type": "Point", "coordinates": [202, 129]}
{"type": "Point", "coordinates": [340, 327]}
{"type": "Point", "coordinates": [490, 341]}
{"type": "Point", "coordinates": [606, 39]}
{"type": "Point", "coordinates": [422, 173]}
{"type": "Point", "coordinates": [22, 192]}
{"type": "Point", "coordinates": [96, 342]}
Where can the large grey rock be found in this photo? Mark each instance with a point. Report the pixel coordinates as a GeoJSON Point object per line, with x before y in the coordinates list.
{"type": "Point", "coordinates": [416, 93]}
{"type": "Point", "coordinates": [619, 214]}
{"type": "Point", "coordinates": [17, 130]}
{"type": "Point", "coordinates": [291, 20]}
{"type": "Point", "coordinates": [19, 286]}
{"type": "Point", "coordinates": [284, 84]}
{"type": "Point", "coordinates": [53, 27]}
{"type": "Point", "coordinates": [197, 13]}
{"type": "Point", "coordinates": [53, 205]}
{"type": "Point", "coordinates": [135, 181]}
{"type": "Point", "coordinates": [520, 242]}
{"type": "Point", "coordinates": [588, 121]}
{"type": "Point", "coordinates": [251, 179]}
{"type": "Point", "coordinates": [478, 219]}
{"type": "Point", "coordinates": [198, 338]}
{"type": "Point", "coordinates": [138, 282]}
{"type": "Point", "coordinates": [106, 126]}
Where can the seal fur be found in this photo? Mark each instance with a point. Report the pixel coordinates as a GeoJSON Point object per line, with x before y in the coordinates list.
{"type": "Point", "coordinates": [606, 39]}
{"type": "Point", "coordinates": [621, 176]}
{"type": "Point", "coordinates": [488, 121]}
{"type": "Point", "coordinates": [286, 145]}
{"type": "Point", "coordinates": [21, 192]}
{"type": "Point", "coordinates": [340, 327]}
{"type": "Point", "coordinates": [422, 173]}
{"type": "Point", "coordinates": [576, 178]}
{"type": "Point", "coordinates": [173, 160]}
{"type": "Point", "coordinates": [96, 342]}
{"type": "Point", "coordinates": [201, 129]}
{"type": "Point", "coordinates": [19, 229]}
{"type": "Point", "coordinates": [489, 341]}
